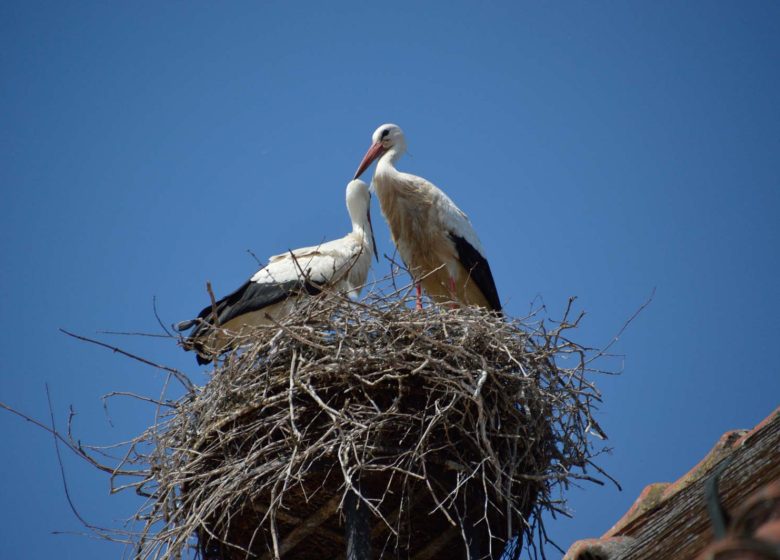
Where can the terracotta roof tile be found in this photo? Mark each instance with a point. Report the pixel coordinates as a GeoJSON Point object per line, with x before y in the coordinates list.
{"type": "Point", "coordinates": [673, 518]}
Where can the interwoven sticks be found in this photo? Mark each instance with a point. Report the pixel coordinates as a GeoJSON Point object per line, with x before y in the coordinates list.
{"type": "Point", "coordinates": [451, 425]}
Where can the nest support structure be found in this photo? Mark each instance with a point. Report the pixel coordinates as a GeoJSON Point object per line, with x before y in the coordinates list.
{"type": "Point", "coordinates": [445, 432]}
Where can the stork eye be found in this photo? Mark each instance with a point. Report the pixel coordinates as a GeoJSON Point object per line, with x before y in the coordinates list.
{"type": "Point", "coordinates": [385, 132]}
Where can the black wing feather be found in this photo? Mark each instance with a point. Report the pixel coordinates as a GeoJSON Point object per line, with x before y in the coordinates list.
{"type": "Point", "coordinates": [479, 270]}
{"type": "Point", "coordinates": [251, 296]}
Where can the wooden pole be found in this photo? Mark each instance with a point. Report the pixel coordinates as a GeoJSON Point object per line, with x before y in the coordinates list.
{"type": "Point", "coordinates": [358, 530]}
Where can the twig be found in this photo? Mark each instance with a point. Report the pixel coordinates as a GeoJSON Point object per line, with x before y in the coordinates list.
{"type": "Point", "coordinates": [180, 377]}
{"type": "Point", "coordinates": [214, 313]}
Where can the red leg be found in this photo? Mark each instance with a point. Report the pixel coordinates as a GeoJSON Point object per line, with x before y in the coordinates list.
{"type": "Point", "coordinates": [453, 293]}
{"type": "Point", "coordinates": [419, 295]}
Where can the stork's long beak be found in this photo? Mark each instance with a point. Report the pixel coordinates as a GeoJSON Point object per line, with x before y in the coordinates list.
{"type": "Point", "coordinates": [373, 152]}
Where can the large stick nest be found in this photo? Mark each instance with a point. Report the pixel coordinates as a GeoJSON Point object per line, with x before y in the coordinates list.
{"type": "Point", "coordinates": [448, 424]}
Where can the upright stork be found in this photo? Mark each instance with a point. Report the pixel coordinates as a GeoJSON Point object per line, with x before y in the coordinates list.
{"type": "Point", "coordinates": [272, 292]}
{"type": "Point", "coordinates": [434, 237]}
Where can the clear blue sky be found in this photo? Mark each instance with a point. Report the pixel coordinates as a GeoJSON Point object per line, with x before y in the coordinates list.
{"type": "Point", "coordinates": [601, 150]}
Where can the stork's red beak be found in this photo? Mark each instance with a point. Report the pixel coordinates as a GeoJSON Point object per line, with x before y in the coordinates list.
{"type": "Point", "coordinates": [373, 152]}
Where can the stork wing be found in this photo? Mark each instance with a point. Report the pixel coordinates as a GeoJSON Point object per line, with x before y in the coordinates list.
{"type": "Point", "coordinates": [302, 271]}
{"type": "Point", "coordinates": [479, 270]}
{"type": "Point", "coordinates": [252, 296]}
{"type": "Point", "coordinates": [470, 251]}
{"type": "Point", "coordinates": [320, 263]}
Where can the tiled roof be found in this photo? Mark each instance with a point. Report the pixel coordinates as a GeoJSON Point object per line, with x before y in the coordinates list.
{"type": "Point", "coordinates": [670, 521]}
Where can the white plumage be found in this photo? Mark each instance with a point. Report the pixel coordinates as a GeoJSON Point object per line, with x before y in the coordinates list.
{"type": "Point", "coordinates": [434, 237]}
{"type": "Point", "coordinates": [273, 291]}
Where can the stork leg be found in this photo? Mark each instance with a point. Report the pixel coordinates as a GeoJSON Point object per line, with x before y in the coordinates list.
{"type": "Point", "coordinates": [418, 303]}
{"type": "Point", "coordinates": [453, 293]}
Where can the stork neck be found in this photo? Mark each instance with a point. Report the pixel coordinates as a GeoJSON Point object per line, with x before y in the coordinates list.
{"type": "Point", "coordinates": [386, 163]}
{"type": "Point", "coordinates": [360, 225]}
{"type": "Point", "coordinates": [360, 222]}
{"type": "Point", "coordinates": [361, 228]}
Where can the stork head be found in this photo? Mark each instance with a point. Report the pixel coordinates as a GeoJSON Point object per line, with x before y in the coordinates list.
{"type": "Point", "coordinates": [386, 138]}
{"type": "Point", "coordinates": [359, 207]}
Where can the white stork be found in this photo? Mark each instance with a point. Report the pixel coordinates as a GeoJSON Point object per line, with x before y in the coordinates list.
{"type": "Point", "coordinates": [434, 237]}
{"type": "Point", "coordinates": [272, 292]}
